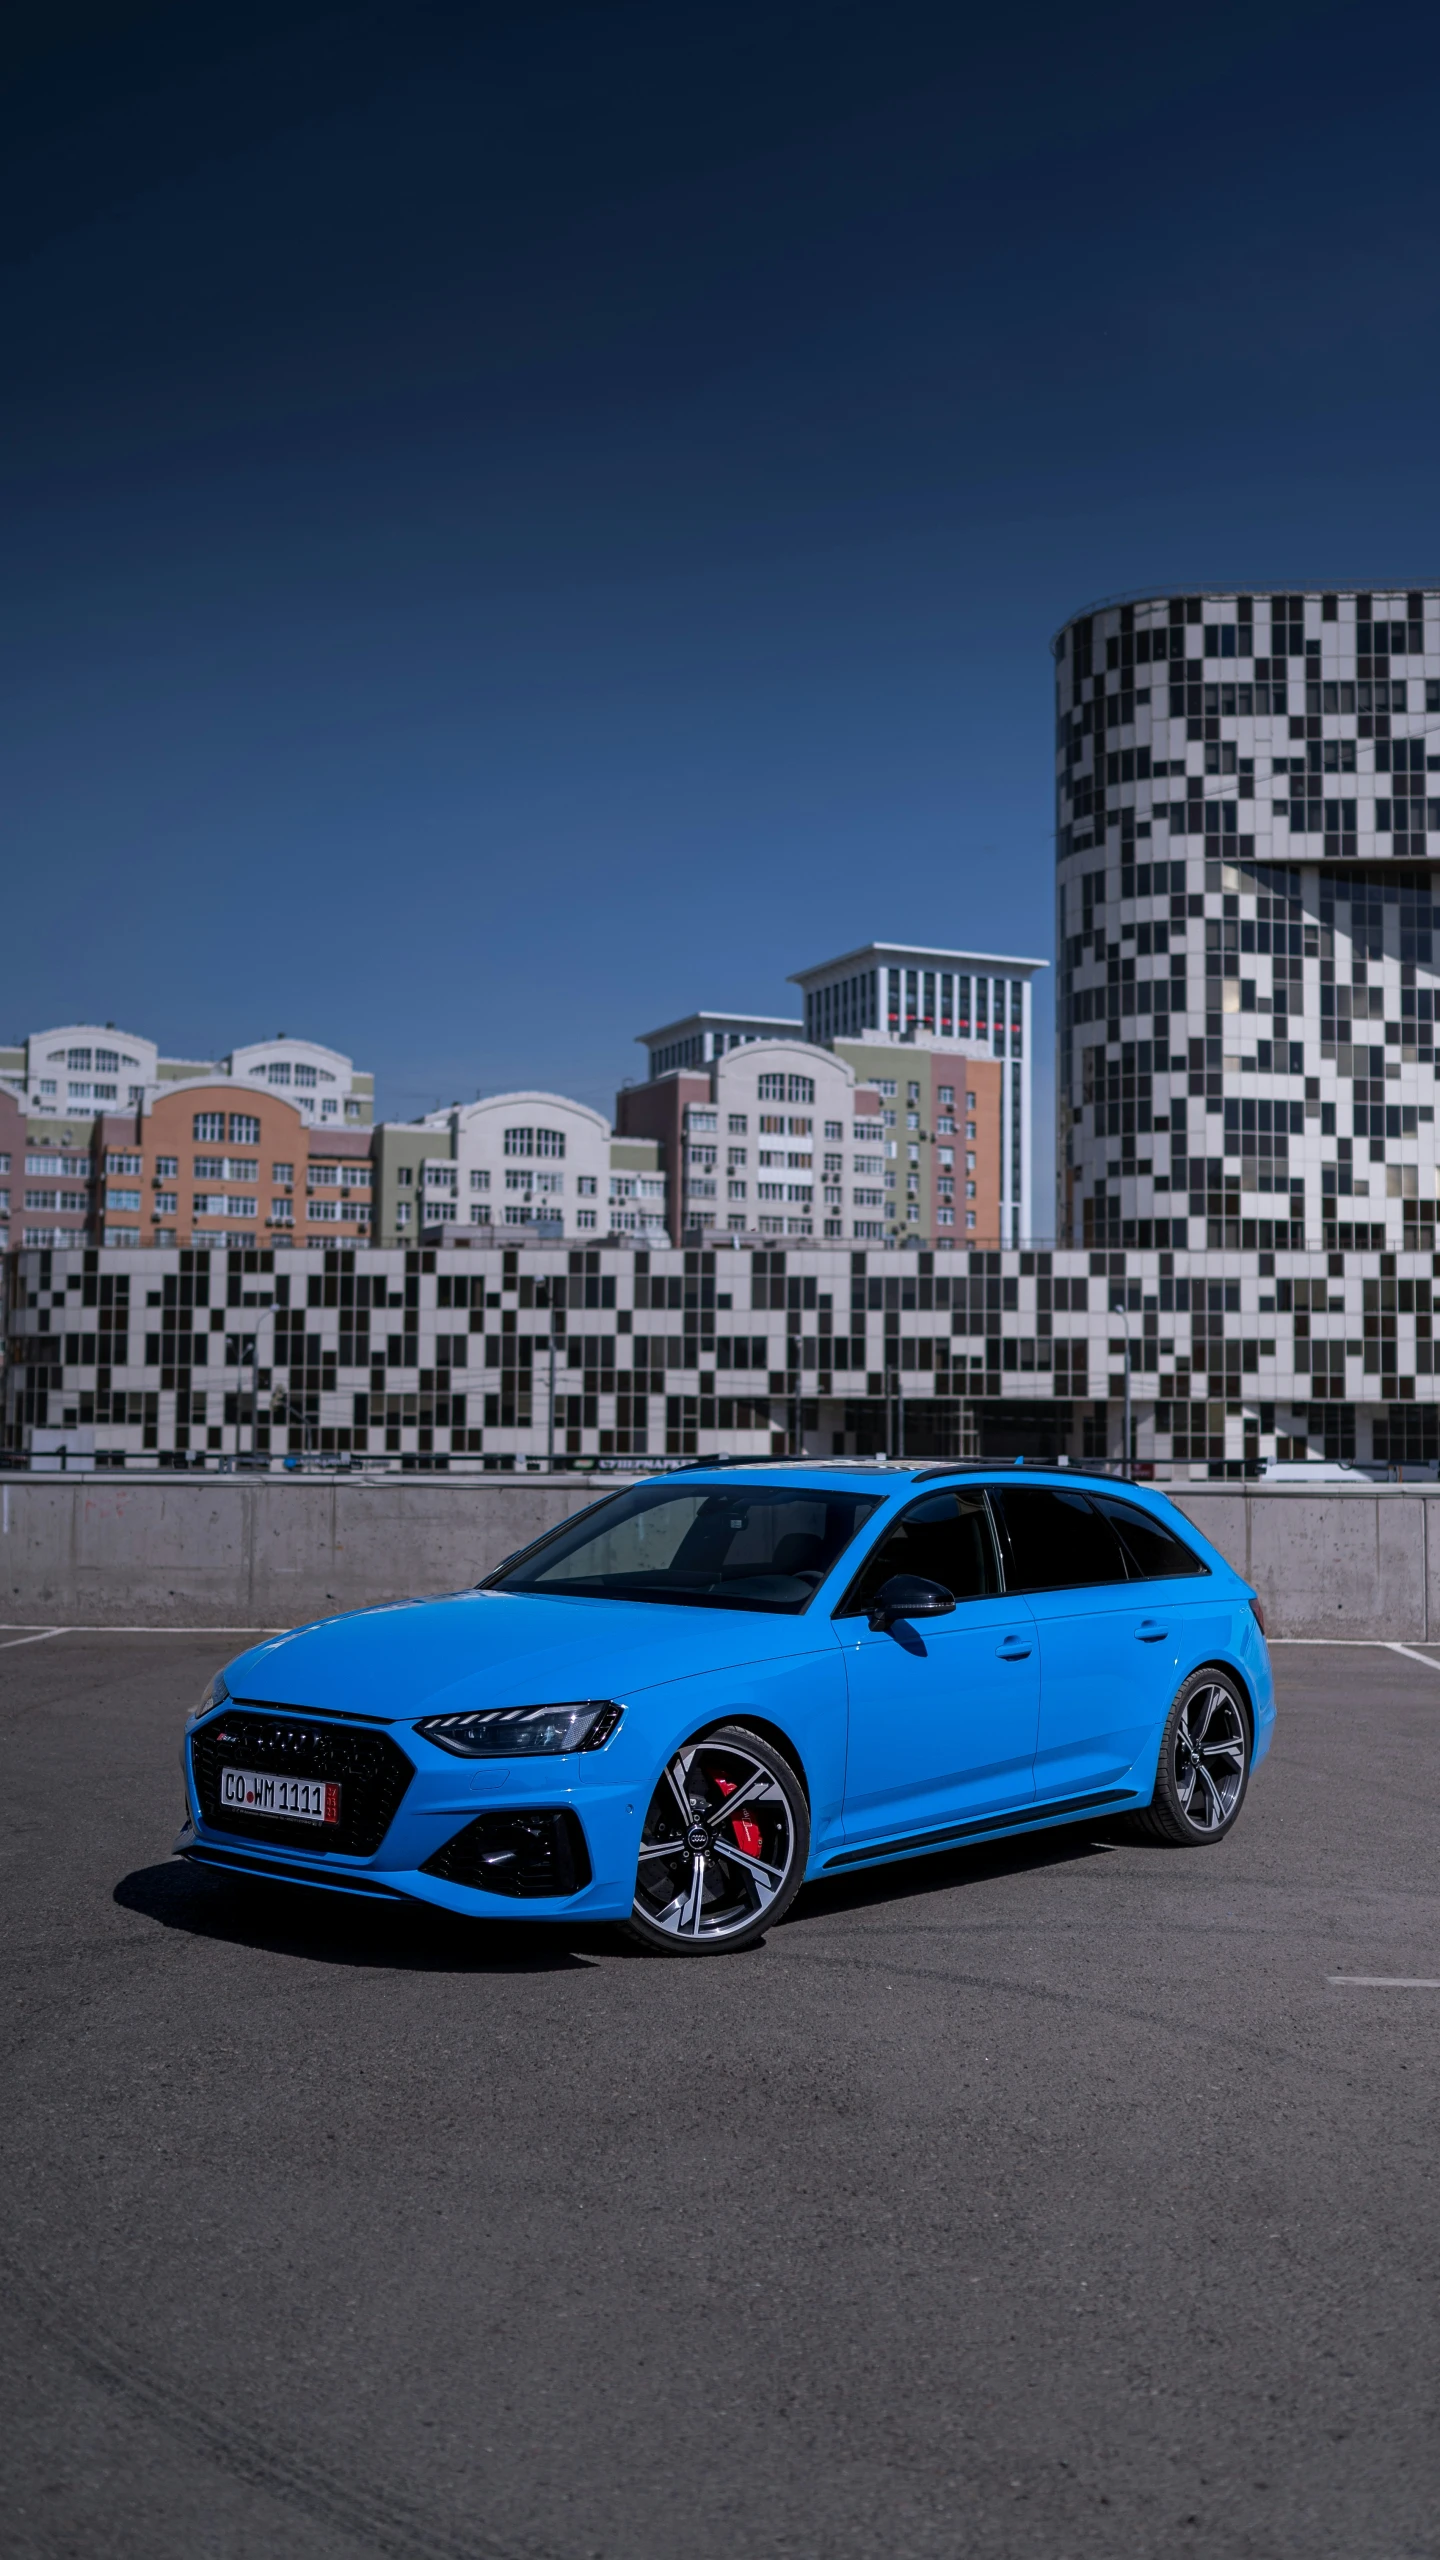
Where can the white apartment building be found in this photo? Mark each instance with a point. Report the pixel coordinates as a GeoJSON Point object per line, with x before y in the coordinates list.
{"type": "Point", "coordinates": [786, 1146]}
{"type": "Point", "coordinates": [325, 1086]}
{"type": "Point", "coordinates": [534, 1162]}
{"type": "Point", "coordinates": [79, 1069]}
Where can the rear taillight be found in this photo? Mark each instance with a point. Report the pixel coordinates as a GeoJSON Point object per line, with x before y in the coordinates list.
{"type": "Point", "coordinates": [1258, 1614]}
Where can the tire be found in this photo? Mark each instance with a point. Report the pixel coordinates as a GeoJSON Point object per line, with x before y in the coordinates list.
{"type": "Point", "coordinates": [1204, 1764]}
{"type": "Point", "coordinates": [710, 1881]}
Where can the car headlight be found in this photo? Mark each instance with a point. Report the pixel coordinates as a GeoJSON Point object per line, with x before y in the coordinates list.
{"type": "Point", "coordinates": [512, 1733]}
{"type": "Point", "coordinates": [214, 1695]}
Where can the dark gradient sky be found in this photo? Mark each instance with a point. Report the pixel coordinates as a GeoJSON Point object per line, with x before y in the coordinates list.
{"type": "Point", "coordinates": [522, 521]}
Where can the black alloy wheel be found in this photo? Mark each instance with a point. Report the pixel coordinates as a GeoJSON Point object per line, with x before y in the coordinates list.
{"type": "Point", "coordinates": [723, 1850]}
{"type": "Point", "coordinates": [1204, 1764]}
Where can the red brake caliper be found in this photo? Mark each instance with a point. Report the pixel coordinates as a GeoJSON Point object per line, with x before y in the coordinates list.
{"type": "Point", "coordinates": [747, 1833]}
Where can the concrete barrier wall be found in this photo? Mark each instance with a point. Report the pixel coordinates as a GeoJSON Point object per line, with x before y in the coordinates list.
{"type": "Point", "coordinates": [231, 1551]}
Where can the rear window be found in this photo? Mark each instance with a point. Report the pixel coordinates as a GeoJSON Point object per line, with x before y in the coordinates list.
{"type": "Point", "coordinates": [1154, 1551]}
{"type": "Point", "coordinates": [1056, 1541]}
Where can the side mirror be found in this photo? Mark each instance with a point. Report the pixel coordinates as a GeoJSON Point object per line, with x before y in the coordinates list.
{"type": "Point", "coordinates": [909, 1595]}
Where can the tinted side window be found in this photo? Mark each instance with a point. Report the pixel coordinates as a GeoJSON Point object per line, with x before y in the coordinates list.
{"type": "Point", "coordinates": [1055, 1541]}
{"type": "Point", "coordinates": [1154, 1551]}
{"type": "Point", "coordinates": [947, 1538]}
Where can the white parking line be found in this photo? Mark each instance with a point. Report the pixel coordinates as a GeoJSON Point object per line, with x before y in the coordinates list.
{"type": "Point", "coordinates": [38, 1635]}
{"type": "Point", "coordinates": [1376, 1644]}
{"type": "Point", "coordinates": [42, 1635]}
{"type": "Point", "coordinates": [1387, 1981]}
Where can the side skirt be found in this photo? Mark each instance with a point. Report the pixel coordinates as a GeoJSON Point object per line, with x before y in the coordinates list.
{"type": "Point", "coordinates": [1021, 1819]}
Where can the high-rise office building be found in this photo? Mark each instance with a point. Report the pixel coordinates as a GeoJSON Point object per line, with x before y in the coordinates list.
{"type": "Point", "coordinates": [1247, 842]}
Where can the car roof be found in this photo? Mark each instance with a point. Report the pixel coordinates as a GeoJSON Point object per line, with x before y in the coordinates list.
{"type": "Point", "coordinates": [901, 1475]}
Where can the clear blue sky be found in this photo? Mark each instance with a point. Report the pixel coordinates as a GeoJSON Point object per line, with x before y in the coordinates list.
{"type": "Point", "coordinates": [523, 521]}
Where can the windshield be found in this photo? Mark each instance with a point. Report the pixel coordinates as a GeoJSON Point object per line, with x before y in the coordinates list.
{"type": "Point", "coordinates": [739, 1547]}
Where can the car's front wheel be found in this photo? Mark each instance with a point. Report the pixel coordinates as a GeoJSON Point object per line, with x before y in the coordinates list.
{"type": "Point", "coordinates": [723, 1850]}
{"type": "Point", "coordinates": [1204, 1764]}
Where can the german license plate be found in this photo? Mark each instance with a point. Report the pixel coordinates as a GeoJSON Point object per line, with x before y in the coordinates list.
{"type": "Point", "coordinates": [289, 1799]}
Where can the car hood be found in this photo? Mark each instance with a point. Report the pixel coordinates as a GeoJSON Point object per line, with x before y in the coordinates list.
{"type": "Point", "coordinates": [502, 1649]}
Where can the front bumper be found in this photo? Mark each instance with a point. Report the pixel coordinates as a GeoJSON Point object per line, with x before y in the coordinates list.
{"type": "Point", "coordinates": [580, 1813]}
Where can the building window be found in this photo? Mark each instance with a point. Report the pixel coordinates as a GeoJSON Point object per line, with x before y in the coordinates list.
{"type": "Point", "coordinates": [283, 1173]}
{"type": "Point", "coordinates": [404, 1173]}
{"type": "Point", "coordinates": [122, 1164]}
{"type": "Point", "coordinates": [697, 1119]}
{"type": "Point", "coordinates": [282, 1212]}
{"type": "Point", "coordinates": [738, 1124]}
{"type": "Point", "coordinates": [586, 1218]}
{"type": "Point", "coordinates": [587, 1186]}
{"type": "Point", "coordinates": [167, 1168]}
{"type": "Point", "coordinates": [534, 1142]}
{"type": "Point", "coordinates": [479, 1213]}
{"type": "Point", "coordinates": [208, 1127]}
{"type": "Point", "coordinates": [244, 1129]}
{"type": "Point", "coordinates": [278, 1071]}
{"type": "Point", "coordinates": [480, 1177]}
{"type": "Point", "coordinates": [307, 1076]}
{"type": "Point", "coordinates": [117, 1196]}
{"type": "Point", "coordinates": [166, 1204]}
{"type": "Point", "coordinates": [402, 1213]}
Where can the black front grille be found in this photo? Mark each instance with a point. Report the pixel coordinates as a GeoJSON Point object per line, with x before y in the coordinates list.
{"type": "Point", "coordinates": [523, 1854]}
{"type": "Point", "coordinates": [371, 1770]}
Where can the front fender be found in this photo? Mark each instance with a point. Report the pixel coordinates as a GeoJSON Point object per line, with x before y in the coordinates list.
{"type": "Point", "coordinates": [800, 1697]}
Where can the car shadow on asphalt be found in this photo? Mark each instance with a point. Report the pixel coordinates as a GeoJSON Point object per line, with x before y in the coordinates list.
{"type": "Point", "coordinates": [409, 1938]}
{"type": "Point", "coordinates": [405, 1937]}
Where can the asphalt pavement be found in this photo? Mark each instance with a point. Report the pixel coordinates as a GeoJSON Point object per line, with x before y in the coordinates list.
{"type": "Point", "coordinates": [1049, 2199]}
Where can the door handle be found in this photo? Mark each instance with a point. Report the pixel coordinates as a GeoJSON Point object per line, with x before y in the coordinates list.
{"type": "Point", "coordinates": [1149, 1633]}
{"type": "Point", "coordinates": [1013, 1650]}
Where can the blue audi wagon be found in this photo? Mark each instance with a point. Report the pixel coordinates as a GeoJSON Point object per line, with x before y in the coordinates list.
{"type": "Point", "coordinates": [706, 1688]}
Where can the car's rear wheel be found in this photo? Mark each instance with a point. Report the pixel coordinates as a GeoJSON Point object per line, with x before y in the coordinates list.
{"type": "Point", "coordinates": [723, 1850]}
{"type": "Point", "coordinates": [1204, 1764]}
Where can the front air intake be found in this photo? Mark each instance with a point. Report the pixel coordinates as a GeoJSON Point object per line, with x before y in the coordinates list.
{"type": "Point", "coordinates": [526, 1855]}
